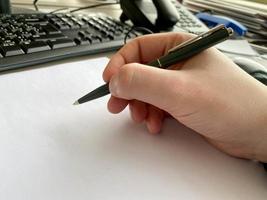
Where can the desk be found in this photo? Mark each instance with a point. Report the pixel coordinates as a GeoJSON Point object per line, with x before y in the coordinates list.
{"type": "Point", "coordinates": [108, 157]}
{"type": "Point", "coordinates": [50, 5]}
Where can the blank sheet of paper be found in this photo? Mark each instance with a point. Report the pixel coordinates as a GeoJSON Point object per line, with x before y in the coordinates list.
{"type": "Point", "coordinates": [50, 149]}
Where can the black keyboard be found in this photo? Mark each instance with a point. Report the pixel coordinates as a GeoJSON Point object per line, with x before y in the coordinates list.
{"type": "Point", "coordinates": [28, 39]}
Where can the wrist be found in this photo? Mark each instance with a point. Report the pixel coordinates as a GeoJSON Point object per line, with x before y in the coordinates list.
{"type": "Point", "coordinates": [260, 152]}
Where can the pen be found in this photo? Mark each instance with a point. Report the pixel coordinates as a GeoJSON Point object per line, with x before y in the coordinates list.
{"type": "Point", "coordinates": [178, 53]}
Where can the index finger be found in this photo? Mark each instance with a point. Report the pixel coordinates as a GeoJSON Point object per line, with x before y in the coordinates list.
{"type": "Point", "coordinates": [143, 50]}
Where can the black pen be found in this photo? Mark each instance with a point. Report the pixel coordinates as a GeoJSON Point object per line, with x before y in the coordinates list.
{"type": "Point", "coordinates": [178, 53]}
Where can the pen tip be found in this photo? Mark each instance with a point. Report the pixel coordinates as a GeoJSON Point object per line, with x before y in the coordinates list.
{"type": "Point", "coordinates": [76, 103]}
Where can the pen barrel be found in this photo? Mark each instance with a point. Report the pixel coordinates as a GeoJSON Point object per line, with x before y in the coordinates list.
{"type": "Point", "coordinates": [191, 49]}
{"type": "Point", "coordinates": [98, 92]}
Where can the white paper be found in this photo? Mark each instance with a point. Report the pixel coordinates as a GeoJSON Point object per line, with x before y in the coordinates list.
{"type": "Point", "coordinates": [50, 149]}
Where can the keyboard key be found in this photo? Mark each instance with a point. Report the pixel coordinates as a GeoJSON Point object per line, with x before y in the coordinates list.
{"type": "Point", "coordinates": [48, 37]}
{"type": "Point", "coordinates": [104, 38]}
{"type": "Point", "coordinates": [62, 26]}
{"type": "Point", "coordinates": [82, 34]}
{"type": "Point", "coordinates": [34, 20]}
{"type": "Point", "coordinates": [93, 39]}
{"type": "Point", "coordinates": [60, 43]}
{"type": "Point", "coordinates": [50, 29]}
{"type": "Point", "coordinates": [81, 41]}
{"type": "Point", "coordinates": [35, 47]}
{"type": "Point", "coordinates": [38, 32]}
{"type": "Point", "coordinates": [11, 50]}
{"type": "Point", "coordinates": [43, 23]}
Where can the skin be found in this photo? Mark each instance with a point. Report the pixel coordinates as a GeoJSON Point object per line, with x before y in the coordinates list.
{"type": "Point", "coordinates": [207, 93]}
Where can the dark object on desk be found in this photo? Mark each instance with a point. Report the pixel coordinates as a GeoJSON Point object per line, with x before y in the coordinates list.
{"type": "Point", "coordinates": [28, 39]}
{"type": "Point", "coordinates": [253, 68]}
{"type": "Point", "coordinates": [182, 51]}
{"type": "Point", "coordinates": [166, 18]}
{"type": "Point", "coordinates": [161, 15]}
{"type": "Point", "coordinates": [5, 7]}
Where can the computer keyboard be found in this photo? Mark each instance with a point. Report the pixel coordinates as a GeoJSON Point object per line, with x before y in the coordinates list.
{"type": "Point", "coordinates": [28, 39]}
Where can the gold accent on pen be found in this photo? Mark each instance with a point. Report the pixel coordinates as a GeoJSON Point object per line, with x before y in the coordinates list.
{"type": "Point", "coordinates": [160, 65]}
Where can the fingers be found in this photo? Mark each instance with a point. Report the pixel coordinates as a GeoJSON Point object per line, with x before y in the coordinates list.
{"type": "Point", "coordinates": [147, 84]}
{"type": "Point", "coordinates": [143, 50]}
{"type": "Point", "coordinates": [154, 119]}
{"type": "Point", "coordinates": [116, 105]}
{"type": "Point", "coordinates": [138, 110]}
{"type": "Point", "coordinates": [152, 115]}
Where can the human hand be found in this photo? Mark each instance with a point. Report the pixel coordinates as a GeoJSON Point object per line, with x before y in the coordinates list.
{"type": "Point", "coordinates": [207, 93]}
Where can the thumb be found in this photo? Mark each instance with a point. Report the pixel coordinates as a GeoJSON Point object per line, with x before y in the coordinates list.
{"type": "Point", "coordinates": [155, 86]}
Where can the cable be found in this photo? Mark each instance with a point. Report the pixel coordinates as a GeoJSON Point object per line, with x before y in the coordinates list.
{"type": "Point", "coordinates": [86, 7]}
{"type": "Point", "coordinates": [60, 9]}
{"type": "Point", "coordinates": [136, 28]}
{"type": "Point", "coordinates": [81, 8]}
{"type": "Point", "coordinates": [35, 5]}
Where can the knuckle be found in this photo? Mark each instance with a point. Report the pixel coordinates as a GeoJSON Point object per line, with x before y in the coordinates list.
{"type": "Point", "coordinates": [126, 76]}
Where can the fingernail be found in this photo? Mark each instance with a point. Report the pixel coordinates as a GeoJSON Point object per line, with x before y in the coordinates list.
{"type": "Point", "coordinates": [113, 86]}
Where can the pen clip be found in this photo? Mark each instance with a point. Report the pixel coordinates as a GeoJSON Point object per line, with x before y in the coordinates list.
{"type": "Point", "coordinates": [206, 34]}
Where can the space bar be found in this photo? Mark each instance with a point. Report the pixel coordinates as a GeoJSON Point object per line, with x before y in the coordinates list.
{"type": "Point", "coordinates": [60, 43]}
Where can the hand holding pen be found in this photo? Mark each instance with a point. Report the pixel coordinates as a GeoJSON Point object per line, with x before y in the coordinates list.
{"type": "Point", "coordinates": [174, 55]}
{"type": "Point", "coordinates": [207, 93]}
